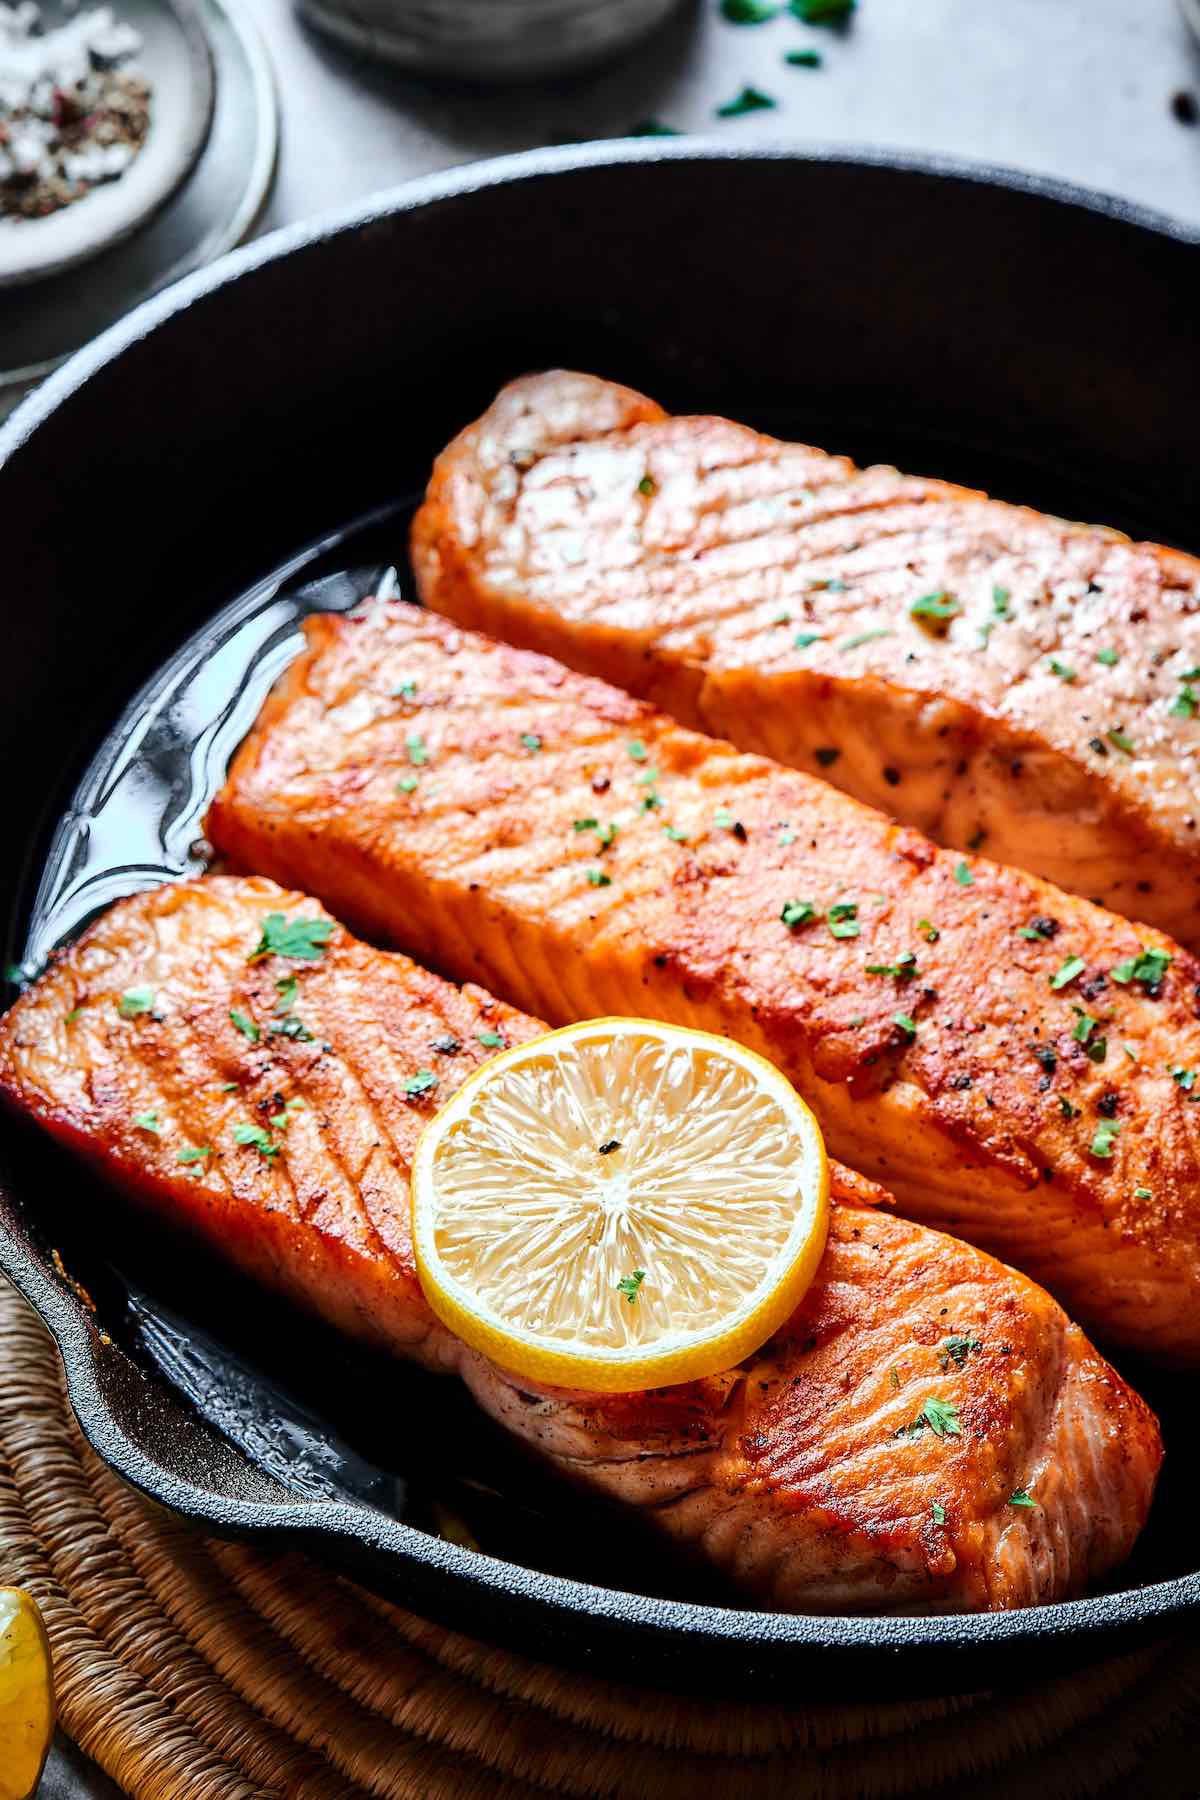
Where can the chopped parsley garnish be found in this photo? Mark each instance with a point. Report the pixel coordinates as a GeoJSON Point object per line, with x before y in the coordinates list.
{"type": "Point", "coordinates": [491, 1040]}
{"type": "Point", "coordinates": [1142, 1193]}
{"type": "Point", "coordinates": [1000, 600]}
{"type": "Point", "coordinates": [843, 919]}
{"type": "Point", "coordinates": [676, 836]}
{"type": "Point", "coordinates": [928, 930]}
{"type": "Point", "coordinates": [647, 486]}
{"type": "Point", "coordinates": [1021, 1497]}
{"type": "Point", "coordinates": [287, 987]}
{"type": "Point", "coordinates": [723, 819]}
{"type": "Point", "coordinates": [1066, 1109]}
{"type": "Point", "coordinates": [797, 912]}
{"type": "Point", "coordinates": [289, 1026]}
{"type": "Point", "coordinates": [803, 59]}
{"type": "Point", "coordinates": [1062, 670]}
{"type": "Point", "coordinates": [423, 1082]}
{"type": "Point", "coordinates": [134, 1001]}
{"type": "Point", "coordinates": [1037, 929]}
{"type": "Point", "coordinates": [1148, 967]}
{"type": "Point", "coordinates": [751, 99]}
{"type": "Point", "coordinates": [255, 1138]}
{"type": "Point", "coordinates": [1110, 658]}
{"type": "Point", "coordinates": [1184, 1078]}
{"type": "Point", "coordinates": [245, 1025]}
{"type": "Point", "coordinates": [956, 1349]}
{"type": "Point", "coordinates": [283, 1118]}
{"type": "Point", "coordinates": [637, 749]}
{"type": "Point", "coordinates": [608, 1146]}
{"type": "Point", "coordinates": [749, 12]}
{"type": "Point", "coordinates": [608, 834]}
{"type": "Point", "coordinates": [803, 639]}
{"type": "Point", "coordinates": [938, 608]}
{"type": "Point", "coordinates": [407, 783]}
{"type": "Point", "coordinates": [194, 1153]}
{"type": "Point", "coordinates": [865, 637]}
{"type": "Point", "coordinates": [827, 584]}
{"type": "Point", "coordinates": [76, 1012]}
{"type": "Point", "coordinates": [304, 940]}
{"type": "Point", "coordinates": [907, 1025]}
{"type": "Point", "coordinates": [1105, 1138]}
{"type": "Point", "coordinates": [651, 801]}
{"type": "Point", "coordinates": [531, 741]}
{"type": "Point", "coordinates": [597, 878]}
{"type": "Point", "coordinates": [941, 1416]}
{"type": "Point", "coordinates": [406, 691]}
{"type": "Point", "coordinates": [585, 824]}
{"type": "Point", "coordinates": [630, 1285]}
{"type": "Point", "coordinates": [822, 12]}
{"type": "Point", "coordinates": [1121, 741]}
{"type": "Point", "coordinates": [786, 835]}
{"type": "Point", "coordinates": [1070, 970]}
{"type": "Point", "coordinates": [963, 875]}
{"type": "Point", "coordinates": [418, 754]}
{"type": "Point", "coordinates": [1085, 1024]}
{"type": "Point", "coordinates": [1184, 704]}
{"type": "Point", "coordinates": [903, 969]}
{"type": "Point", "coordinates": [148, 1121]}
{"type": "Point", "coordinates": [653, 128]}
{"type": "Point", "coordinates": [647, 778]}
{"type": "Point", "coordinates": [937, 1512]}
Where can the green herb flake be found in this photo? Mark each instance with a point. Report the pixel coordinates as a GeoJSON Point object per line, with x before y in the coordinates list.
{"type": "Point", "coordinates": [903, 969]}
{"type": "Point", "coordinates": [597, 878]}
{"type": "Point", "coordinates": [608, 835]}
{"type": "Point", "coordinates": [928, 930]}
{"type": "Point", "coordinates": [1110, 658]}
{"type": "Point", "coordinates": [304, 940]}
{"type": "Point", "coordinates": [723, 819]}
{"type": "Point", "coordinates": [255, 1138]}
{"type": "Point", "coordinates": [751, 99]}
{"type": "Point", "coordinates": [1085, 1024]}
{"type": "Point", "coordinates": [1105, 1138]}
{"type": "Point", "coordinates": [531, 741]}
{"type": "Point", "coordinates": [1062, 670]}
{"type": "Point", "coordinates": [894, 1378]}
{"type": "Point", "coordinates": [843, 919]}
{"type": "Point", "coordinates": [406, 691]}
{"type": "Point", "coordinates": [134, 1001]}
{"type": "Point", "coordinates": [1142, 1193]}
{"type": "Point", "coordinates": [956, 1349]}
{"type": "Point", "coordinates": [637, 749]}
{"type": "Point", "coordinates": [629, 1286]}
{"type": "Point", "coordinates": [423, 1082]}
{"type": "Point", "coordinates": [797, 912]}
{"type": "Point", "coordinates": [937, 1512]}
{"type": "Point", "coordinates": [822, 12]}
{"type": "Point", "coordinates": [1021, 1497]}
{"type": "Point", "coordinates": [1069, 972]}
{"type": "Point", "coordinates": [1131, 1051]}
{"type": "Point", "coordinates": [651, 802]}
{"type": "Point", "coordinates": [1148, 967]}
{"type": "Point", "coordinates": [1121, 741]}
{"type": "Point", "coordinates": [245, 1025]}
{"type": "Point", "coordinates": [803, 639]}
{"type": "Point", "coordinates": [1000, 599]}
{"type": "Point", "coordinates": [148, 1121]}
{"type": "Point", "coordinates": [941, 1417]}
{"type": "Point", "coordinates": [786, 835]}
{"type": "Point", "coordinates": [653, 128]}
{"type": "Point", "coordinates": [676, 836]}
{"type": "Point", "coordinates": [647, 486]}
{"type": "Point", "coordinates": [585, 824]}
{"type": "Point", "coordinates": [1184, 704]}
{"type": "Point", "coordinates": [491, 1040]}
{"type": "Point", "coordinates": [963, 875]}
{"type": "Point", "coordinates": [194, 1153]}
{"type": "Point", "coordinates": [937, 608]}
{"type": "Point", "coordinates": [1066, 1109]}
{"type": "Point", "coordinates": [418, 753]}
{"type": "Point", "coordinates": [1184, 1078]}
{"type": "Point", "coordinates": [1036, 930]}
{"type": "Point", "coordinates": [906, 1024]}
{"type": "Point", "coordinates": [749, 12]}
{"type": "Point", "coordinates": [865, 637]}
{"type": "Point", "coordinates": [647, 778]}
{"type": "Point", "coordinates": [406, 784]}
{"type": "Point", "coordinates": [803, 59]}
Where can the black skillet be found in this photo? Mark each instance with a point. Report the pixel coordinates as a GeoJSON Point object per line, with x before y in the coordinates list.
{"type": "Point", "coordinates": [157, 497]}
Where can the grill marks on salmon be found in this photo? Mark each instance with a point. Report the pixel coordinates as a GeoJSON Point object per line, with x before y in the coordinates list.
{"type": "Point", "coordinates": [763, 592]}
{"type": "Point", "coordinates": [810, 1475]}
{"type": "Point", "coordinates": [510, 821]}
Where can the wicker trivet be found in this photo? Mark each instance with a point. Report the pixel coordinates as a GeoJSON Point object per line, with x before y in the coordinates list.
{"type": "Point", "coordinates": [196, 1670]}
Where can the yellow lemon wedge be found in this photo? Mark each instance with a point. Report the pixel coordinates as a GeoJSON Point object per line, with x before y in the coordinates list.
{"type": "Point", "coordinates": [26, 1695]}
{"type": "Point", "coordinates": [620, 1205]}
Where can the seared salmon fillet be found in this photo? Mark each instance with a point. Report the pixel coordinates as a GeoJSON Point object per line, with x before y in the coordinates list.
{"type": "Point", "coordinates": [1016, 1065]}
{"type": "Point", "coordinates": [225, 1052]}
{"type": "Point", "coordinates": [990, 675]}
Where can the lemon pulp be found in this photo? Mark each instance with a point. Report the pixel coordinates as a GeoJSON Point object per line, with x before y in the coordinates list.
{"type": "Point", "coordinates": [26, 1695]}
{"type": "Point", "coordinates": [620, 1205]}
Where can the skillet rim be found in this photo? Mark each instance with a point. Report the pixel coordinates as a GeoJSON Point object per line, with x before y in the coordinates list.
{"type": "Point", "coordinates": [438, 1573]}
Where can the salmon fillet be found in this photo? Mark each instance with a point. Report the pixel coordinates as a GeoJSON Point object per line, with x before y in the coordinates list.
{"type": "Point", "coordinates": [1038, 704]}
{"type": "Point", "coordinates": [262, 1103]}
{"type": "Point", "coordinates": [1016, 1065]}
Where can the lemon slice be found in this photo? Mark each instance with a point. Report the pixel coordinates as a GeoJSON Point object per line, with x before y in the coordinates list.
{"type": "Point", "coordinates": [26, 1695]}
{"type": "Point", "coordinates": [620, 1205]}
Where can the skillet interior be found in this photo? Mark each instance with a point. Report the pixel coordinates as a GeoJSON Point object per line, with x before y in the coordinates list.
{"type": "Point", "coordinates": [990, 332]}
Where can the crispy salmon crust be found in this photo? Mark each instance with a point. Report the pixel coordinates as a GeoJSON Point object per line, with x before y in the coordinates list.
{"type": "Point", "coordinates": [763, 592]}
{"type": "Point", "coordinates": [1013, 1063]}
{"type": "Point", "coordinates": [810, 1475]}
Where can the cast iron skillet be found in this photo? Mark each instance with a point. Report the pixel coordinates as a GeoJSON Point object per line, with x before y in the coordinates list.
{"type": "Point", "coordinates": [973, 324]}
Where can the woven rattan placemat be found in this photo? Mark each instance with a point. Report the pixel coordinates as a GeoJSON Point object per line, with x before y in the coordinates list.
{"type": "Point", "coordinates": [196, 1670]}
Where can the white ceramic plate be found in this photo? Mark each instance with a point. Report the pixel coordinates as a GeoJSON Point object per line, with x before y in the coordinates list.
{"type": "Point", "coordinates": [176, 58]}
